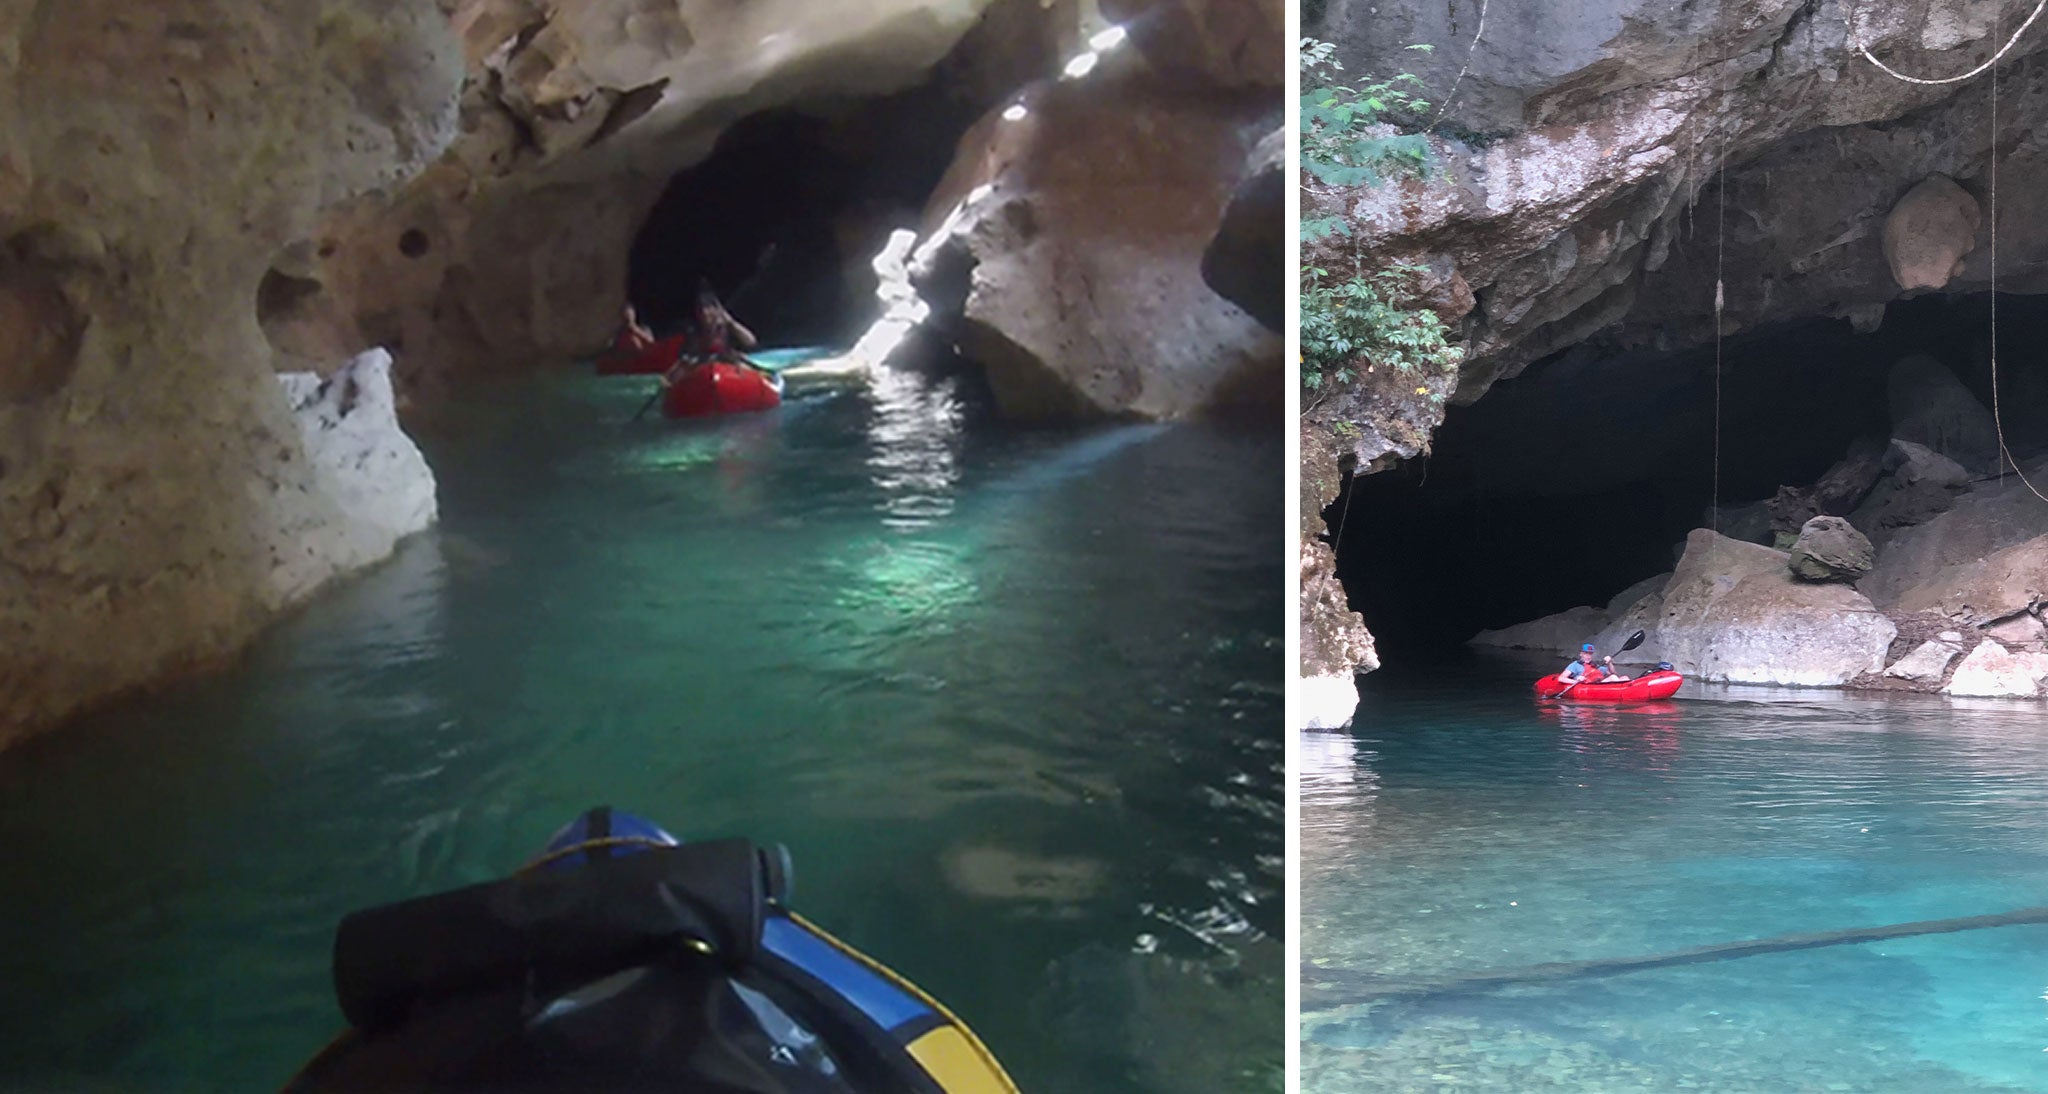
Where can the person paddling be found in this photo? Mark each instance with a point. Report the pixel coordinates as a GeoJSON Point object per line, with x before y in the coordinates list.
{"type": "Point", "coordinates": [1584, 671]}
{"type": "Point", "coordinates": [714, 334]}
{"type": "Point", "coordinates": [633, 337]}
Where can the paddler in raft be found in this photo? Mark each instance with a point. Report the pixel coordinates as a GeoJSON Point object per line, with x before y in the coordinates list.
{"type": "Point", "coordinates": [713, 335]}
{"type": "Point", "coordinates": [633, 337]}
{"type": "Point", "coordinates": [1584, 671]}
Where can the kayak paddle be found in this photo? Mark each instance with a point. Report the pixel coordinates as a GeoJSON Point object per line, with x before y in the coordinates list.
{"type": "Point", "coordinates": [1634, 640]}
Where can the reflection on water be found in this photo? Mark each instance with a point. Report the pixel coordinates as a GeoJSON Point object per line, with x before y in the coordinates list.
{"type": "Point", "coordinates": [1460, 826]}
{"type": "Point", "coordinates": [1011, 698]}
{"type": "Point", "coordinates": [915, 437]}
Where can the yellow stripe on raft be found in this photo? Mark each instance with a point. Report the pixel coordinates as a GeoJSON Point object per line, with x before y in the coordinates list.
{"type": "Point", "coordinates": [955, 1064]}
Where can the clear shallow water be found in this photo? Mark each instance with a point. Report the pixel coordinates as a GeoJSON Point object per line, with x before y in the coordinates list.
{"type": "Point", "coordinates": [1011, 698]}
{"type": "Point", "coordinates": [1460, 826]}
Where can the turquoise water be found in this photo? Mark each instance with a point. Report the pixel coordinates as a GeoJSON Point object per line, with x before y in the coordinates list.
{"type": "Point", "coordinates": [1460, 826]}
{"type": "Point", "coordinates": [1011, 698]}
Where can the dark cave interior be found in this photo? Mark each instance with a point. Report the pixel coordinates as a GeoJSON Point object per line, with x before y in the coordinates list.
{"type": "Point", "coordinates": [1584, 474]}
{"type": "Point", "coordinates": [784, 217]}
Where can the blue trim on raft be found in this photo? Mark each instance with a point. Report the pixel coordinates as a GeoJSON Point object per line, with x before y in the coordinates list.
{"type": "Point", "coordinates": [623, 824]}
{"type": "Point", "coordinates": [885, 1004]}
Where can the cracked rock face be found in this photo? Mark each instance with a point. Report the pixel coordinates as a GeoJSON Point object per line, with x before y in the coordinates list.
{"type": "Point", "coordinates": [156, 503]}
{"type": "Point", "coordinates": [1593, 203]}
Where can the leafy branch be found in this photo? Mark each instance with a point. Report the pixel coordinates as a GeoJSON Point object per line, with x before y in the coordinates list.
{"type": "Point", "coordinates": [1368, 323]}
{"type": "Point", "coordinates": [1348, 133]}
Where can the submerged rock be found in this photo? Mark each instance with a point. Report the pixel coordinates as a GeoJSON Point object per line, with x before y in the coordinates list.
{"type": "Point", "coordinates": [1830, 549]}
{"type": "Point", "coordinates": [1733, 612]}
{"type": "Point", "coordinates": [1992, 671]}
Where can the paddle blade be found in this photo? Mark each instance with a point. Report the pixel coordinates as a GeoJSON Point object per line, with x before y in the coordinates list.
{"type": "Point", "coordinates": [1634, 640]}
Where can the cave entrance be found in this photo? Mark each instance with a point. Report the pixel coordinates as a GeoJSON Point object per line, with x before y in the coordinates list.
{"type": "Point", "coordinates": [792, 205]}
{"type": "Point", "coordinates": [1583, 475]}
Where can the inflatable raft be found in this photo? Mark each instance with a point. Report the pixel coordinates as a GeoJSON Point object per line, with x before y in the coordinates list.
{"type": "Point", "coordinates": [622, 960]}
{"type": "Point", "coordinates": [1660, 684]}
{"type": "Point", "coordinates": [721, 387]}
{"type": "Point", "coordinates": [621, 360]}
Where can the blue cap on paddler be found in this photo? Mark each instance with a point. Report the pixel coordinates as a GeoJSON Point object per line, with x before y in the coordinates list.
{"type": "Point", "coordinates": [1587, 648]}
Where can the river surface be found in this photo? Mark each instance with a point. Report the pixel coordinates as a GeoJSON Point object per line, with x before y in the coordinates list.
{"type": "Point", "coordinates": [1461, 826]}
{"type": "Point", "coordinates": [1012, 699]}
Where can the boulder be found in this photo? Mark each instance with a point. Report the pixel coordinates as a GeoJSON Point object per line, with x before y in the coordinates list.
{"type": "Point", "coordinates": [1986, 518]}
{"type": "Point", "coordinates": [2002, 584]}
{"type": "Point", "coordinates": [1749, 523]}
{"type": "Point", "coordinates": [1928, 233]}
{"type": "Point", "coordinates": [1926, 664]}
{"type": "Point", "coordinates": [1789, 512]}
{"type": "Point", "coordinates": [1627, 598]}
{"type": "Point", "coordinates": [1848, 482]}
{"type": "Point", "coordinates": [1563, 632]}
{"type": "Point", "coordinates": [1063, 251]}
{"type": "Point", "coordinates": [1931, 407]}
{"type": "Point", "coordinates": [1830, 549]}
{"type": "Point", "coordinates": [1733, 612]}
{"type": "Point", "coordinates": [1992, 671]}
{"type": "Point", "coordinates": [1640, 614]}
{"type": "Point", "coordinates": [2024, 629]}
{"type": "Point", "coordinates": [1918, 485]}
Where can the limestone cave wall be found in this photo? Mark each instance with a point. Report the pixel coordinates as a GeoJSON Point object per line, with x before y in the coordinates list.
{"type": "Point", "coordinates": [157, 501]}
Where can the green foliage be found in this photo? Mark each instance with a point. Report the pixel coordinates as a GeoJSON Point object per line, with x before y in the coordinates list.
{"type": "Point", "coordinates": [1371, 324]}
{"type": "Point", "coordinates": [1347, 133]}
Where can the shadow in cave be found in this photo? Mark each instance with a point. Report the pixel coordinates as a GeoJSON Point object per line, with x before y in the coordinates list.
{"type": "Point", "coordinates": [1583, 475]}
{"type": "Point", "coordinates": [785, 215]}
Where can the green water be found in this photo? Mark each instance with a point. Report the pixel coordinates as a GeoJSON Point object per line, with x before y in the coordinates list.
{"type": "Point", "coordinates": [1460, 826]}
{"type": "Point", "coordinates": [1010, 697]}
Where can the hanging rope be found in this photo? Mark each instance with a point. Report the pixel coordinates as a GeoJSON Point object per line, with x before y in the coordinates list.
{"type": "Point", "coordinates": [1991, 66]}
{"type": "Point", "coordinates": [1720, 303]}
{"type": "Point", "coordinates": [1997, 421]}
{"type": "Point", "coordinates": [1469, 51]}
{"type": "Point", "coordinates": [1978, 71]}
